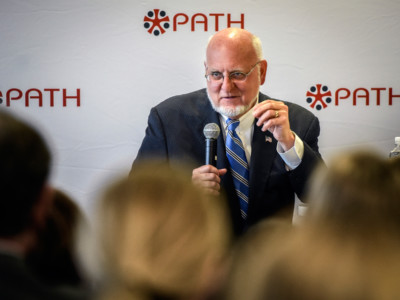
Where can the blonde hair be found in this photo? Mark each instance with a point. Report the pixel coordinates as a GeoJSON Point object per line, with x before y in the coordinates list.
{"type": "Point", "coordinates": [358, 189]}
{"type": "Point", "coordinates": [160, 233]}
{"type": "Point", "coordinates": [320, 263]}
{"type": "Point", "coordinates": [312, 263]}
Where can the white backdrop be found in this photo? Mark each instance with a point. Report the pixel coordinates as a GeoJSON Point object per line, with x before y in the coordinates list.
{"type": "Point", "coordinates": [102, 48]}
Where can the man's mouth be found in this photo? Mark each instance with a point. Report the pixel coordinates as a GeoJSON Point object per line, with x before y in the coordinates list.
{"type": "Point", "coordinates": [229, 97]}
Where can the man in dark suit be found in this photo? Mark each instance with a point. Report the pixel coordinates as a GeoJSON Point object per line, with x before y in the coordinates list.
{"type": "Point", "coordinates": [280, 139]}
{"type": "Point", "coordinates": [24, 203]}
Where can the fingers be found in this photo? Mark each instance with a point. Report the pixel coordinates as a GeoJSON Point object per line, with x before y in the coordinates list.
{"type": "Point", "coordinates": [208, 177]}
{"type": "Point", "coordinates": [275, 111]}
{"type": "Point", "coordinates": [222, 172]}
{"type": "Point", "coordinates": [271, 119]}
{"type": "Point", "coordinates": [273, 115]}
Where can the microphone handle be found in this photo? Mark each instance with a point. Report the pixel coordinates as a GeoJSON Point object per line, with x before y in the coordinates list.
{"type": "Point", "coordinates": [211, 152]}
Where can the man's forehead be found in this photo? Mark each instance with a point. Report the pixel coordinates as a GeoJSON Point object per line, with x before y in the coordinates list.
{"type": "Point", "coordinates": [229, 61]}
{"type": "Point", "coordinates": [222, 69]}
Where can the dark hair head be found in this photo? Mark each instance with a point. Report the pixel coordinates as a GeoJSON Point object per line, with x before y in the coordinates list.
{"type": "Point", "coordinates": [24, 168]}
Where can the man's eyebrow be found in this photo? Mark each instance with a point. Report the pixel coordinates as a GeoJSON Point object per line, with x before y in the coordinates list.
{"type": "Point", "coordinates": [237, 70]}
{"type": "Point", "coordinates": [211, 69]}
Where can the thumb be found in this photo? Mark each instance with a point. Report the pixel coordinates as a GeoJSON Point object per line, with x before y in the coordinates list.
{"type": "Point", "coordinates": [222, 172]}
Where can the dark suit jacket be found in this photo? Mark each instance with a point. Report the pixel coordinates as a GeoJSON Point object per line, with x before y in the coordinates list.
{"type": "Point", "coordinates": [175, 132]}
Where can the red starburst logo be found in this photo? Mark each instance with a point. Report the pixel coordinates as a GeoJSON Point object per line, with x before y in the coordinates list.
{"type": "Point", "coordinates": [318, 96]}
{"type": "Point", "coordinates": [156, 22]}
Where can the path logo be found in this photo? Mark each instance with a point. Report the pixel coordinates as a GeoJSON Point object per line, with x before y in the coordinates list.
{"type": "Point", "coordinates": [318, 96]}
{"type": "Point", "coordinates": [41, 97]}
{"type": "Point", "coordinates": [156, 22]}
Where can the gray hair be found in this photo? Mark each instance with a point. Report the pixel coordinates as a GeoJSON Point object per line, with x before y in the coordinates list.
{"type": "Point", "coordinates": [257, 47]}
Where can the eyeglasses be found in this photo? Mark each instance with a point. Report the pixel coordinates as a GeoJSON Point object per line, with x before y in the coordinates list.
{"type": "Point", "coordinates": [236, 76]}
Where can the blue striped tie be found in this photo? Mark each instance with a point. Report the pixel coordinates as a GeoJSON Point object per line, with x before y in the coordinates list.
{"type": "Point", "coordinates": [239, 166]}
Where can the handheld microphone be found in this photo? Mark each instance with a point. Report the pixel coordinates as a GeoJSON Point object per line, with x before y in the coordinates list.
{"type": "Point", "coordinates": [211, 132]}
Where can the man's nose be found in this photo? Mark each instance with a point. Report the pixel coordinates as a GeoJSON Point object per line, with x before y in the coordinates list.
{"type": "Point", "coordinates": [227, 83]}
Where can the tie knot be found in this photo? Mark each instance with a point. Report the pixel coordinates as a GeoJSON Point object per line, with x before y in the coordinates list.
{"type": "Point", "coordinates": [232, 124]}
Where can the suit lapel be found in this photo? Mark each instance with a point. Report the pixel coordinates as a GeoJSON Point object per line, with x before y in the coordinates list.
{"type": "Point", "coordinates": [263, 154]}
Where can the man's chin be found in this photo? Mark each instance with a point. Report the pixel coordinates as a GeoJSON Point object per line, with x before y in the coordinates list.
{"type": "Point", "coordinates": [231, 112]}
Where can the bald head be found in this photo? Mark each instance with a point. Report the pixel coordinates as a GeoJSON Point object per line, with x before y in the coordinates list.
{"type": "Point", "coordinates": [242, 40]}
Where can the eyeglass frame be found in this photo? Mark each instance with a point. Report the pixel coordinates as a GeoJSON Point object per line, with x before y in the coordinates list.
{"type": "Point", "coordinates": [230, 75]}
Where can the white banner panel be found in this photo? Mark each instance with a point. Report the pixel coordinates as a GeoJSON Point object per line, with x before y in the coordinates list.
{"type": "Point", "coordinates": [87, 72]}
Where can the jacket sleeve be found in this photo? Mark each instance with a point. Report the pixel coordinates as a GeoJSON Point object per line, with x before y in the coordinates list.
{"type": "Point", "coordinates": [154, 144]}
{"type": "Point", "coordinates": [311, 158]}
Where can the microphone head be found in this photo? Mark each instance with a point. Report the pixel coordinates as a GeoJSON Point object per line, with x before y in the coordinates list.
{"type": "Point", "coordinates": [211, 131]}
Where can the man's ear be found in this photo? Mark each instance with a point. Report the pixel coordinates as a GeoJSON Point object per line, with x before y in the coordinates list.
{"type": "Point", "coordinates": [43, 206]}
{"type": "Point", "coordinates": [263, 71]}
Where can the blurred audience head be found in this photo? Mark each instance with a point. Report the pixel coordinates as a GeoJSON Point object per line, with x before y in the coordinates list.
{"type": "Point", "coordinates": [162, 237]}
{"type": "Point", "coordinates": [25, 165]}
{"type": "Point", "coordinates": [358, 190]}
{"type": "Point", "coordinates": [53, 258]}
{"type": "Point", "coordinates": [320, 263]}
{"type": "Point", "coordinates": [247, 271]}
